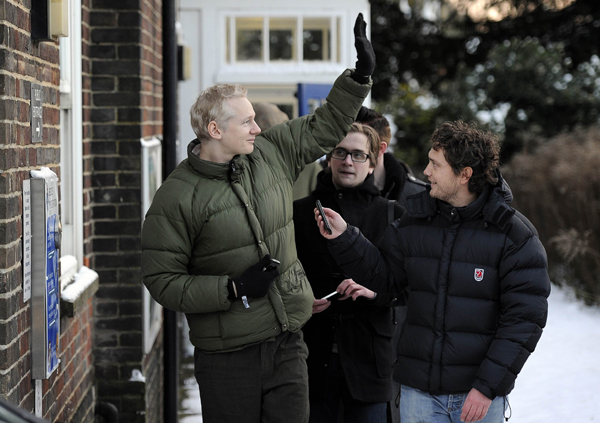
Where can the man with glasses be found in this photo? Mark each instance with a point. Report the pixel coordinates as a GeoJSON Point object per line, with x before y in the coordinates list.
{"type": "Point", "coordinates": [350, 350]}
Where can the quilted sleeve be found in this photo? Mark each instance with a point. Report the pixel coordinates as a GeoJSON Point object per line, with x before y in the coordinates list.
{"type": "Point", "coordinates": [167, 237]}
{"type": "Point", "coordinates": [525, 287]}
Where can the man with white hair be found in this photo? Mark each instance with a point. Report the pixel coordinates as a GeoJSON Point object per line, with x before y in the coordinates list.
{"type": "Point", "coordinates": [218, 245]}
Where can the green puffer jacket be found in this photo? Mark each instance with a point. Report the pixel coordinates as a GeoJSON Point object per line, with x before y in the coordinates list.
{"type": "Point", "coordinates": [209, 222]}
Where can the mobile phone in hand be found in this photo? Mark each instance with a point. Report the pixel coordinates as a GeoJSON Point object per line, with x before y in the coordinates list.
{"type": "Point", "coordinates": [325, 221]}
{"type": "Point", "coordinates": [331, 296]}
{"type": "Point", "coordinates": [273, 264]}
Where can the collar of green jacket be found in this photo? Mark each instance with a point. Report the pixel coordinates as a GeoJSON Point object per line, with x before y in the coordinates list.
{"type": "Point", "coordinates": [213, 170]}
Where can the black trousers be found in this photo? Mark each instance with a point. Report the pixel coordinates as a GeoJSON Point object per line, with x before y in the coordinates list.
{"type": "Point", "coordinates": [263, 383]}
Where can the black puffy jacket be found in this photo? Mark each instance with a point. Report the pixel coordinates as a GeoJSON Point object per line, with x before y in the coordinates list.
{"type": "Point", "coordinates": [478, 290]}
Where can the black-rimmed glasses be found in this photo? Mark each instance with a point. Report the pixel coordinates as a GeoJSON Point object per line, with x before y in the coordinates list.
{"type": "Point", "coordinates": [356, 156]}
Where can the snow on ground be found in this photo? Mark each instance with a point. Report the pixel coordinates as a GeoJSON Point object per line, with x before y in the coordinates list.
{"type": "Point", "coordinates": [189, 395]}
{"type": "Point", "coordinates": [559, 383]}
{"type": "Point", "coordinates": [561, 380]}
{"type": "Point", "coordinates": [189, 406]}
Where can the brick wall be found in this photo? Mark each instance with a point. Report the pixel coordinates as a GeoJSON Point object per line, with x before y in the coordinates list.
{"type": "Point", "coordinates": [122, 74]}
{"type": "Point", "coordinates": [68, 394]}
{"type": "Point", "coordinates": [69, 397]}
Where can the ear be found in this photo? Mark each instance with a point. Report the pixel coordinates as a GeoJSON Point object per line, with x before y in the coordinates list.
{"type": "Point", "coordinates": [213, 130]}
{"type": "Point", "coordinates": [383, 148]}
{"type": "Point", "coordinates": [465, 175]}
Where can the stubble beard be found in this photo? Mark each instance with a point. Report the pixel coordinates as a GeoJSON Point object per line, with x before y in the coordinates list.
{"type": "Point", "coordinates": [445, 194]}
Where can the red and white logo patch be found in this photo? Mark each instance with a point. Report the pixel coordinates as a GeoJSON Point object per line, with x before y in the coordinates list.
{"type": "Point", "coordinates": [478, 275]}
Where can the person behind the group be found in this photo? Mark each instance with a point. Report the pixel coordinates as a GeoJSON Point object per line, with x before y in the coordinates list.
{"type": "Point", "coordinates": [212, 229]}
{"type": "Point", "coordinates": [393, 176]}
{"type": "Point", "coordinates": [478, 280]}
{"type": "Point", "coordinates": [268, 115]}
{"type": "Point", "coordinates": [350, 350]}
{"type": "Point", "coordinates": [396, 181]}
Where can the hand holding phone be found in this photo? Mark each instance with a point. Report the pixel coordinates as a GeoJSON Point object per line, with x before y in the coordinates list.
{"type": "Point", "coordinates": [273, 264]}
{"type": "Point", "coordinates": [325, 221]}
{"type": "Point", "coordinates": [331, 296]}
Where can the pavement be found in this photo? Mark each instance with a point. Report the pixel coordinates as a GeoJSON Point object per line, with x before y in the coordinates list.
{"type": "Point", "coordinates": [189, 395]}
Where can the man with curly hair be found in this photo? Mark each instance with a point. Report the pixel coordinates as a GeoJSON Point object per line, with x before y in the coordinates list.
{"type": "Point", "coordinates": [478, 280]}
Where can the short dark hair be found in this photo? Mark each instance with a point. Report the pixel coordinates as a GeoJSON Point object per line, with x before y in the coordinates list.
{"type": "Point", "coordinates": [376, 121]}
{"type": "Point", "coordinates": [466, 146]}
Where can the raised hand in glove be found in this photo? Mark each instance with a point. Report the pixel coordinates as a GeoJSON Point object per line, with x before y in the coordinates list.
{"type": "Point", "coordinates": [364, 52]}
{"type": "Point", "coordinates": [255, 281]}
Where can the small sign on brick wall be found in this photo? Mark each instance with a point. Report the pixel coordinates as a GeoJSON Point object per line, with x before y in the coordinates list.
{"type": "Point", "coordinates": [37, 111]}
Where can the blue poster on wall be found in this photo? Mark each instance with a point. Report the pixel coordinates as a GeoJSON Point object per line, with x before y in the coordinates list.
{"type": "Point", "coordinates": [52, 289]}
{"type": "Point", "coordinates": [311, 96]}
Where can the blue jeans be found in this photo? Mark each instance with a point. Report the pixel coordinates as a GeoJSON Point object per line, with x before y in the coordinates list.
{"type": "Point", "coordinates": [339, 406]}
{"type": "Point", "coordinates": [420, 407]}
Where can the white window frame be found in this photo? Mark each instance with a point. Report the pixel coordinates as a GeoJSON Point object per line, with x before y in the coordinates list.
{"type": "Point", "coordinates": [228, 46]}
{"type": "Point", "coordinates": [151, 180]}
{"type": "Point", "coordinates": [71, 138]}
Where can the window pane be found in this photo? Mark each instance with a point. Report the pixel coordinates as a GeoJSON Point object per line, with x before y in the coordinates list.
{"type": "Point", "coordinates": [316, 39]}
{"type": "Point", "coordinates": [282, 34]}
{"type": "Point", "coordinates": [313, 44]}
{"type": "Point", "coordinates": [280, 45]}
{"type": "Point", "coordinates": [249, 38]}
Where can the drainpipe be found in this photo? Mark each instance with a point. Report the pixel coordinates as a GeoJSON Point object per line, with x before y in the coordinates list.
{"type": "Point", "coordinates": [170, 329]}
{"type": "Point", "coordinates": [170, 87]}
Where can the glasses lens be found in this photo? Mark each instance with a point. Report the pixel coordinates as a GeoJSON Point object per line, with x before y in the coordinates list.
{"type": "Point", "coordinates": [356, 156]}
{"type": "Point", "coordinates": [359, 157]}
{"type": "Point", "coordinates": [339, 153]}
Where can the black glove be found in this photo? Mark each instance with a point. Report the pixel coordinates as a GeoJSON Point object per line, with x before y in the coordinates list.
{"type": "Point", "coordinates": [364, 52]}
{"type": "Point", "coordinates": [254, 282]}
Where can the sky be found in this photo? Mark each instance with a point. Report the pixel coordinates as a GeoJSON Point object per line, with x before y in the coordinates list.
{"type": "Point", "coordinates": [477, 9]}
{"type": "Point", "coordinates": [480, 9]}
{"type": "Point", "coordinates": [559, 383]}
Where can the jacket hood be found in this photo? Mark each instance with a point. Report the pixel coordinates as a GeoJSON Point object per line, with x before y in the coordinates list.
{"type": "Point", "coordinates": [504, 188]}
{"type": "Point", "coordinates": [396, 173]}
{"type": "Point", "coordinates": [497, 209]}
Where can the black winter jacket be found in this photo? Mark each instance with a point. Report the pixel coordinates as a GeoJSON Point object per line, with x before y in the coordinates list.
{"type": "Point", "coordinates": [400, 183]}
{"type": "Point", "coordinates": [362, 329]}
{"type": "Point", "coordinates": [478, 290]}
